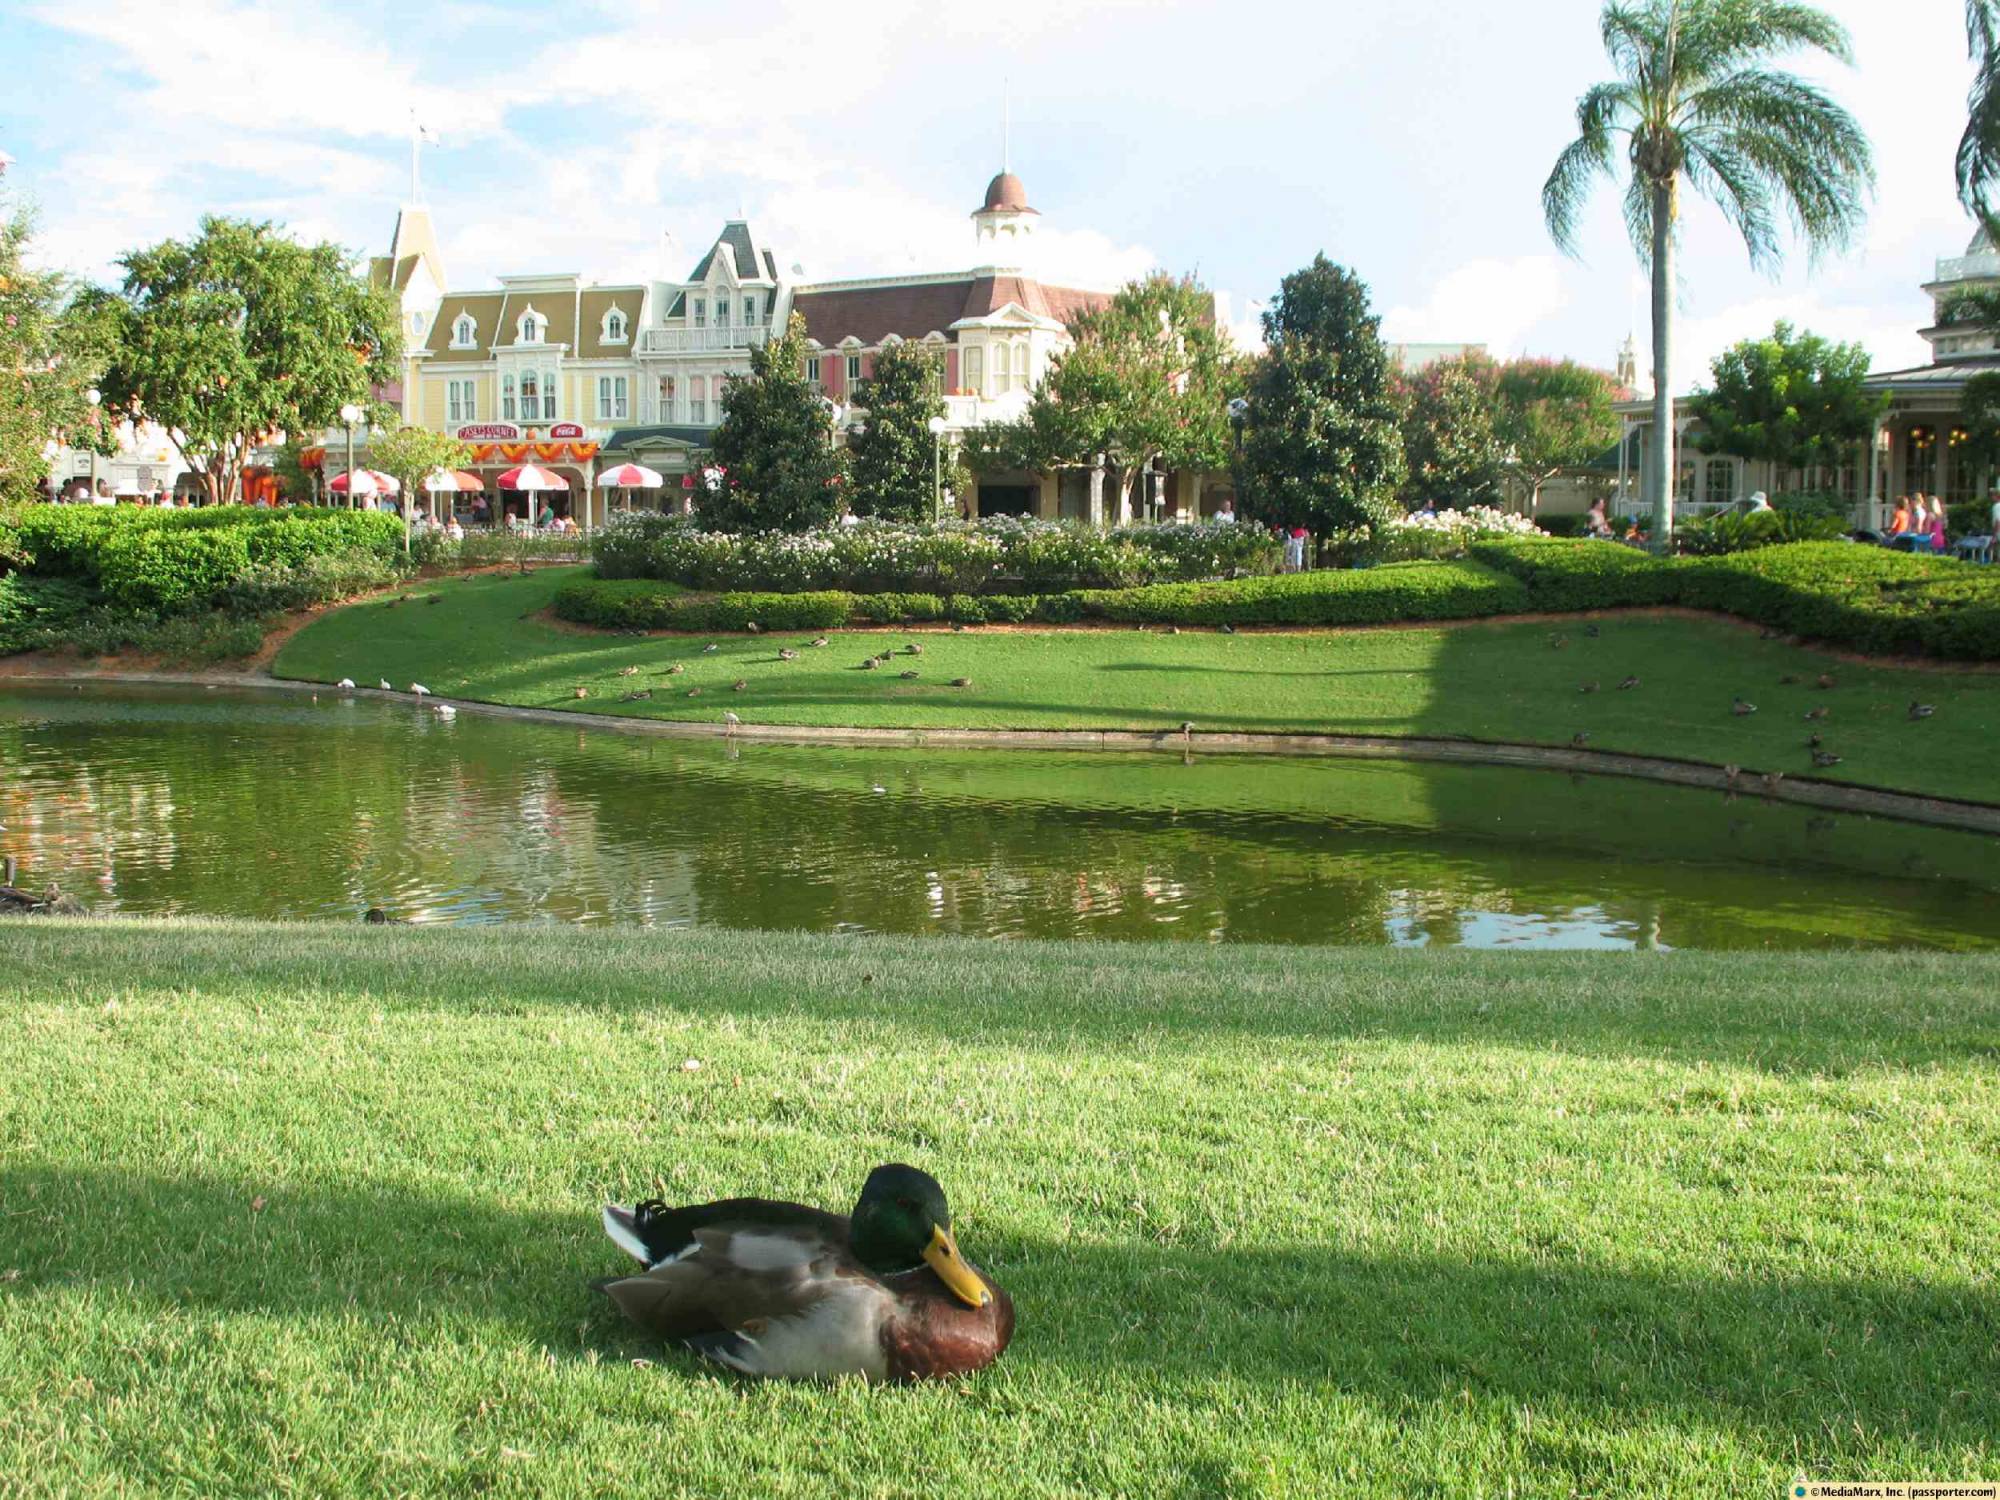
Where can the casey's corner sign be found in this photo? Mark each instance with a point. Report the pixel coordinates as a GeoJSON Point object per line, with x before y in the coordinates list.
{"type": "Point", "coordinates": [507, 432]}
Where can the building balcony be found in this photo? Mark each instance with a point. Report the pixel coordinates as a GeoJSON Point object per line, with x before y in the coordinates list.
{"type": "Point", "coordinates": [1968, 267]}
{"type": "Point", "coordinates": [703, 340]}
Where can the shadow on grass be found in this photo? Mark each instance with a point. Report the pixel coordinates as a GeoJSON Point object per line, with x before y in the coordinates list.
{"type": "Point", "coordinates": [1799, 1359]}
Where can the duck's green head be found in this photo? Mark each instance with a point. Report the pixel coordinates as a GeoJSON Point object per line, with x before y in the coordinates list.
{"type": "Point", "coordinates": [902, 1222]}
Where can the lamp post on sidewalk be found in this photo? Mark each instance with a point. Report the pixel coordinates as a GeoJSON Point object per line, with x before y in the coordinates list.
{"type": "Point", "coordinates": [351, 415]}
{"type": "Point", "coordinates": [937, 468]}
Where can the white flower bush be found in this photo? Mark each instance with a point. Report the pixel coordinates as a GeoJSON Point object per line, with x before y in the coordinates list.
{"type": "Point", "coordinates": [995, 554]}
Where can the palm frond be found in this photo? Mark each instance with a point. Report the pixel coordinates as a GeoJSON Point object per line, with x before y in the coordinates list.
{"type": "Point", "coordinates": [1978, 308]}
{"type": "Point", "coordinates": [1979, 146]}
{"type": "Point", "coordinates": [1583, 161]}
{"type": "Point", "coordinates": [1728, 178]}
{"type": "Point", "coordinates": [1724, 35]}
{"type": "Point", "coordinates": [1638, 212]}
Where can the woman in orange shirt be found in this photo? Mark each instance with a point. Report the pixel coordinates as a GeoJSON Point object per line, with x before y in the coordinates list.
{"type": "Point", "coordinates": [1900, 521]}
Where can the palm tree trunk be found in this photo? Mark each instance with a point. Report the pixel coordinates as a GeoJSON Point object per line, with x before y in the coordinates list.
{"type": "Point", "coordinates": [1660, 455]}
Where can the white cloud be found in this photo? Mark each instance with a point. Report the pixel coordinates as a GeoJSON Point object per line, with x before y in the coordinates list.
{"type": "Point", "coordinates": [1492, 302]}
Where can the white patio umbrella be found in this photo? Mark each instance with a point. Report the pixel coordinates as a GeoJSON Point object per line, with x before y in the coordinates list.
{"type": "Point", "coordinates": [532, 480]}
{"type": "Point", "coordinates": [629, 477]}
{"type": "Point", "coordinates": [450, 482]}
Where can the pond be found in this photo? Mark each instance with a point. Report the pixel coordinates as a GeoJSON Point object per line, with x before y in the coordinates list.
{"type": "Point", "coordinates": [275, 804]}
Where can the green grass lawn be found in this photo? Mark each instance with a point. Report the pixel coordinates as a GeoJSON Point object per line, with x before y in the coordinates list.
{"type": "Point", "coordinates": [295, 1210]}
{"type": "Point", "coordinates": [486, 639]}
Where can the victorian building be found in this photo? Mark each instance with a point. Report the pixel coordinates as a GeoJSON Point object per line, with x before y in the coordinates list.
{"type": "Point", "coordinates": [1917, 445]}
{"type": "Point", "coordinates": [573, 375]}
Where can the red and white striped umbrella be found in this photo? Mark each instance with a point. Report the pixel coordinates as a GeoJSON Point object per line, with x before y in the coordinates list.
{"type": "Point", "coordinates": [528, 477]}
{"type": "Point", "coordinates": [630, 477]}
{"type": "Point", "coordinates": [364, 482]}
{"type": "Point", "coordinates": [444, 481]}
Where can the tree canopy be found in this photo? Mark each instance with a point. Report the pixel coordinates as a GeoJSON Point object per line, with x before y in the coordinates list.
{"type": "Point", "coordinates": [893, 459]}
{"type": "Point", "coordinates": [1979, 145]}
{"type": "Point", "coordinates": [412, 455]}
{"type": "Point", "coordinates": [1450, 441]}
{"type": "Point", "coordinates": [1554, 414]}
{"type": "Point", "coordinates": [53, 349]}
{"type": "Point", "coordinates": [782, 470]}
{"type": "Point", "coordinates": [1322, 443]}
{"type": "Point", "coordinates": [1792, 398]}
{"type": "Point", "coordinates": [1148, 379]}
{"type": "Point", "coordinates": [239, 334]}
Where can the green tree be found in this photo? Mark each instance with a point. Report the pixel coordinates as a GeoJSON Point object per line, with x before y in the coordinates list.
{"type": "Point", "coordinates": [1450, 444]}
{"type": "Point", "coordinates": [1979, 415]}
{"type": "Point", "coordinates": [1697, 105]}
{"type": "Point", "coordinates": [411, 455]}
{"type": "Point", "coordinates": [1147, 380]}
{"type": "Point", "coordinates": [894, 459]}
{"type": "Point", "coordinates": [53, 350]}
{"type": "Point", "coordinates": [241, 333]}
{"type": "Point", "coordinates": [1322, 443]}
{"type": "Point", "coordinates": [1792, 399]}
{"type": "Point", "coordinates": [1554, 414]}
{"type": "Point", "coordinates": [782, 469]}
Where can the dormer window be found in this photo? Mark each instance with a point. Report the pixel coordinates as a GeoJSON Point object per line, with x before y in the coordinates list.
{"type": "Point", "coordinates": [533, 326]}
{"type": "Point", "coordinates": [464, 332]}
{"type": "Point", "coordinates": [614, 327]}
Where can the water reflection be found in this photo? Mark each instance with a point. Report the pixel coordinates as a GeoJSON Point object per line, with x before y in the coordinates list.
{"type": "Point", "coordinates": [266, 804]}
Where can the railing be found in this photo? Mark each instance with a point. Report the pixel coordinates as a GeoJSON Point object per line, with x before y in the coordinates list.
{"type": "Point", "coordinates": [698, 340]}
{"type": "Point", "coordinates": [1967, 267]}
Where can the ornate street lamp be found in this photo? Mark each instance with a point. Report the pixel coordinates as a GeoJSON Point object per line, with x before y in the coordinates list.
{"type": "Point", "coordinates": [351, 415]}
{"type": "Point", "coordinates": [937, 425]}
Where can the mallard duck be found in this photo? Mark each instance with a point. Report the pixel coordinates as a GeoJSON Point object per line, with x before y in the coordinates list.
{"type": "Point", "coordinates": [783, 1290]}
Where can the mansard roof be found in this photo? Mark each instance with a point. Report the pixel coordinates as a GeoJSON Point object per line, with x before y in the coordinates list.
{"type": "Point", "coordinates": [749, 262]}
{"type": "Point", "coordinates": [871, 311]}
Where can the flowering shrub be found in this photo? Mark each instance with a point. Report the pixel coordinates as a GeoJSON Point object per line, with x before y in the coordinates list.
{"type": "Point", "coordinates": [997, 555]}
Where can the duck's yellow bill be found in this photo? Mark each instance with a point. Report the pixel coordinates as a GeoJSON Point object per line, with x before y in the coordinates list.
{"type": "Point", "coordinates": [942, 1254]}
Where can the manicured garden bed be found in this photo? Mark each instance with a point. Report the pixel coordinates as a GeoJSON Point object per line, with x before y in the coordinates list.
{"type": "Point", "coordinates": [311, 1210]}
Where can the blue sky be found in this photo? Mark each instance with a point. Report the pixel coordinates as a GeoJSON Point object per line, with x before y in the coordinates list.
{"type": "Point", "coordinates": [1407, 140]}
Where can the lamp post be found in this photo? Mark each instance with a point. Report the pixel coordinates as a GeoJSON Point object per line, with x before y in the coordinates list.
{"type": "Point", "coordinates": [351, 415]}
{"type": "Point", "coordinates": [937, 468]}
{"type": "Point", "coordinates": [95, 397]}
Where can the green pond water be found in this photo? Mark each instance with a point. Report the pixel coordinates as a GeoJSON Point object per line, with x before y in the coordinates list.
{"type": "Point", "coordinates": [271, 804]}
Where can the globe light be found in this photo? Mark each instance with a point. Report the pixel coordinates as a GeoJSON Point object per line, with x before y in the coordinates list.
{"type": "Point", "coordinates": [937, 426]}
{"type": "Point", "coordinates": [350, 414]}
{"type": "Point", "coordinates": [93, 395]}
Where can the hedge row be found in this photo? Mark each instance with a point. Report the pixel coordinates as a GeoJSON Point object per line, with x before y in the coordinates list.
{"type": "Point", "coordinates": [1401, 591]}
{"type": "Point", "coordinates": [169, 561]}
{"type": "Point", "coordinates": [1848, 594]}
{"type": "Point", "coordinates": [1360, 596]}
{"type": "Point", "coordinates": [643, 604]}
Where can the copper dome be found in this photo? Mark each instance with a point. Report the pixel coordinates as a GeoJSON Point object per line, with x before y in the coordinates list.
{"type": "Point", "coordinates": [1005, 193]}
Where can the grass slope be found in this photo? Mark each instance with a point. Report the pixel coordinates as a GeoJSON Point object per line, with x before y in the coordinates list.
{"type": "Point", "coordinates": [310, 1210]}
{"type": "Point", "coordinates": [484, 639]}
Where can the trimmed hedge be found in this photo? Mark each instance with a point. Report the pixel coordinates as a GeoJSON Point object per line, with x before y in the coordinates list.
{"type": "Point", "coordinates": [176, 560]}
{"type": "Point", "coordinates": [1361, 596]}
{"type": "Point", "coordinates": [1565, 575]}
{"type": "Point", "coordinates": [1865, 598]}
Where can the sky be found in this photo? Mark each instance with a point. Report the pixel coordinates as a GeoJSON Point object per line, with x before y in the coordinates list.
{"type": "Point", "coordinates": [1232, 140]}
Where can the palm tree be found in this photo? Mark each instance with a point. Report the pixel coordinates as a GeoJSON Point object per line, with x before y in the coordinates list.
{"type": "Point", "coordinates": [1698, 104]}
{"type": "Point", "coordinates": [1979, 147]}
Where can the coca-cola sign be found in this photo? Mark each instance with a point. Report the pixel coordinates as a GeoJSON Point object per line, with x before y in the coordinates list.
{"type": "Point", "coordinates": [566, 430]}
{"type": "Point", "coordinates": [488, 431]}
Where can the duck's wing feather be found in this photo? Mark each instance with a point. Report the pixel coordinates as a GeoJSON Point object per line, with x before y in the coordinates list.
{"type": "Point", "coordinates": [655, 1232]}
{"type": "Point", "coordinates": [765, 1300]}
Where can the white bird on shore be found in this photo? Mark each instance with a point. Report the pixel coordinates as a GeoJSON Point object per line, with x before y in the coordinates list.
{"type": "Point", "coordinates": [444, 710]}
{"type": "Point", "coordinates": [729, 722]}
{"type": "Point", "coordinates": [383, 684]}
{"type": "Point", "coordinates": [346, 684]}
{"type": "Point", "coordinates": [420, 690]}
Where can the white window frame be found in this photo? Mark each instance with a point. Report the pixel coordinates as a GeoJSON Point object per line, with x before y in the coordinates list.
{"type": "Point", "coordinates": [972, 371]}
{"type": "Point", "coordinates": [853, 371]}
{"type": "Point", "coordinates": [669, 391]}
{"type": "Point", "coordinates": [549, 389]}
{"type": "Point", "coordinates": [698, 400]}
{"type": "Point", "coordinates": [1021, 365]}
{"type": "Point", "coordinates": [700, 305]}
{"type": "Point", "coordinates": [461, 400]}
{"type": "Point", "coordinates": [613, 402]}
{"type": "Point", "coordinates": [722, 310]}
{"type": "Point", "coordinates": [465, 332]}
{"type": "Point", "coordinates": [615, 330]}
{"type": "Point", "coordinates": [508, 409]}
{"type": "Point", "coordinates": [531, 327]}
{"type": "Point", "coordinates": [749, 312]}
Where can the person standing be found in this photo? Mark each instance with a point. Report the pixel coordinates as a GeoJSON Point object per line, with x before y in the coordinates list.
{"type": "Point", "coordinates": [1596, 522]}
{"type": "Point", "coordinates": [1225, 513]}
{"type": "Point", "coordinates": [1295, 550]}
